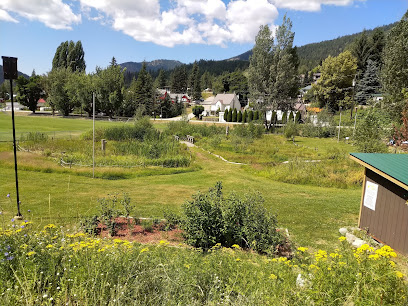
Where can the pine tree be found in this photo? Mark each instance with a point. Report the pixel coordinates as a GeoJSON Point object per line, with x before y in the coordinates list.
{"type": "Point", "coordinates": [226, 115]}
{"type": "Point", "coordinates": [250, 116]}
{"type": "Point", "coordinates": [291, 119]}
{"type": "Point", "coordinates": [239, 117]}
{"type": "Point", "coordinates": [160, 81]}
{"type": "Point", "coordinates": [229, 117]}
{"type": "Point", "coordinates": [395, 67]}
{"type": "Point", "coordinates": [195, 86]}
{"type": "Point", "coordinates": [256, 115]}
{"type": "Point", "coordinates": [245, 116]}
{"type": "Point", "coordinates": [144, 94]}
{"type": "Point", "coordinates": [369, 84]}
{"type": "Point", "coordinates": [234, 115]}
{"type": "Point", "coordinates": [178, 80]}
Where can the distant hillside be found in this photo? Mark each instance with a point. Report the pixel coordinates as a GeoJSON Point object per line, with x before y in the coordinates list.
{"type": "Point", "coordinates": [151, 66]}
{"type": "Point", "coordinates": [2, 74]}
{"type": "Point", "coordinates": [311, 55]}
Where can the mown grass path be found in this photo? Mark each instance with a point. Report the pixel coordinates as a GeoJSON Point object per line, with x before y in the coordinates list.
{"type": "Point", "coordinates": [312, 214]}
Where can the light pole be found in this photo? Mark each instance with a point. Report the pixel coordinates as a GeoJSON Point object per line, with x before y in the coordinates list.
{"type": "Point", "coordinates": [10, 72]}
{"type": "Point", "coordinates": [355, 122]}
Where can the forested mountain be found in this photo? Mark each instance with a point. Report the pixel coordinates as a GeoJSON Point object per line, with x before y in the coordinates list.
{"type": "Point", "coordinates": [151, 66]}
{"type": "Point", "coordinates": [219, 67]}
{"type": "Point", "coordinates": [2, 74]}
{"type": "Point", "coordinates": [311, 55]}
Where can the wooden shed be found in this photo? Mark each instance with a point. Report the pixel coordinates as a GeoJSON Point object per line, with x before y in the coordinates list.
{"type": "Point", "coordinates": [384, 200]}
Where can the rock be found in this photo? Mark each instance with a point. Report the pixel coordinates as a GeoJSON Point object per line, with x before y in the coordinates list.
{"type": "Point", "coordinates": [343, 231]}
{"type": "Point", "coordinates": [358, 243]}
{"type": "Point", "coordinates": [350, 238]}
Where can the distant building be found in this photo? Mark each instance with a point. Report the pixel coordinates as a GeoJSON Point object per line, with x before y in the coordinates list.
{"type": "Point", "coordinates": [223, 102]}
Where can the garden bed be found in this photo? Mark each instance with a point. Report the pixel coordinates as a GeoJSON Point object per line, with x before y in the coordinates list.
{"type": "Point", "coordinates": [142, 230]}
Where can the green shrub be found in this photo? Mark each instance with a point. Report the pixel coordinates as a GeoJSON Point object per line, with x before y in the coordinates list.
{"type": "Point", "coordinates": [197, 110]}
{"type": "Point", "coordinates": [245, 116]}
{"type": "Point", "coordinates": [229, 117]}
{"type": "Point", "coordinates": [297, 117]}
{"type": "Point", "coordinates": [212, 218]}
{"type": "Point", "coordinates": [234, 115]}
{"type": "Point", "coordinates": [226, 115]}
{"type": "Point", "coordinates": [251, 130]}
{"type": "Point", "coordinates": [34, 136]}
{"type": "Point", "coordinates": [256, 115]}
{"type": "Point", "coordinates": [239, 117]}
{"type": "Point", "coordinates": [250, 115]}
{"type": "Point", "coordinates": [290, 116]}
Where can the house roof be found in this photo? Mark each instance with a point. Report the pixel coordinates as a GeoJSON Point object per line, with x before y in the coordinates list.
{"type": "Point", "coordinates": [41, 101]}
{"type": "Point", "coordinates": [225, 99]}
{"type": "Point", "coordinates": [393, 167]}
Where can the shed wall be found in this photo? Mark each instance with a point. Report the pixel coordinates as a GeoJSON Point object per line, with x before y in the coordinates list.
{"type": "Point", "coordinates": [389, 221]}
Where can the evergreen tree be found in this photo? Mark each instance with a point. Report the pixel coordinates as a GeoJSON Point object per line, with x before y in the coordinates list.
{"type": "Point", "coordinates": [369, 84]}
{"type": "Point", "coordinates": [256, 115]}
{"type": "Point", "coordinates": [206, 80]}
{"type": "Point", "coordinates": [250, 116]}
{"type": "Point", "coordinates": [291, 119]}
{"type": "Point", "coordinates": [377, 46]}
{"type": "Point", "coordinates": [178, 80]}
{"type": "Point", "coordinates": [239, 117]}
{"type": "Point", "coordinates": [395, 67]}
{"type": "Point", "coordinates": [144, 93]}
{"type": "Point", "coordinates": [229, 117]}
{"type": "Point", "coordinates": [234, 115]}
{"type": "Point", "coordinates": [226, 115]}
{"type": "Point", "coordinates": [245, 116]}
{"type": "Point", "coordinates": [195, 86]}
{"type": "Point", "coordinates": [160, 81]}
{"type": "Point", "coordinates": [361, 50]}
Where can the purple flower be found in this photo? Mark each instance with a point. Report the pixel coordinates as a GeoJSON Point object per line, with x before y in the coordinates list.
{"type": "Point", "coordinates": [1, 212]}
{"type": "Point", "coordinates": [8, 195]}
{"type": "Point", "coordinates": [25, 235]}
{"type": "Point", "coordinates": [8, 247]}
{"type": "Point", "coordinates": [22, 226]}
{"type": "Point", "coordinates": [6, 254]}
{"type": "Point", "coordinates": [10, 258]}
{"type": "Point", "coordinates": [29, 210]}
{"type": "Point", "coordinates": [13, 225]}
{"type": "Point", "coordinates": [12, 220]}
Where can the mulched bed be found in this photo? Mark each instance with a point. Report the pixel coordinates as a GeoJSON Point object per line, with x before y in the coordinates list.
{"type": "Point", "coordinates": [130, 230]}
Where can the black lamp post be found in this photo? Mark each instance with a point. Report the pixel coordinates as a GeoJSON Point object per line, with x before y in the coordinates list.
{"type": "Point", "coordinates": [10, 72]}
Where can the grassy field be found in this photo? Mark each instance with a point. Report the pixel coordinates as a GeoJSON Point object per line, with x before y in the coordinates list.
{"type": "Point", "coordinates": [312, 214]}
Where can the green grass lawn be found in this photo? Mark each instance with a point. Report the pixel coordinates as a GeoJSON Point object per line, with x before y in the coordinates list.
{"type": "Point", "coordinates": [312, 214]}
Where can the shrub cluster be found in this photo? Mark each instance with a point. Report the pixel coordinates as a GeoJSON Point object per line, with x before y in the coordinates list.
{"type": "Point", "coordinates": [212, 218]}
{"type": "Point", "coordinates": [239, 116]}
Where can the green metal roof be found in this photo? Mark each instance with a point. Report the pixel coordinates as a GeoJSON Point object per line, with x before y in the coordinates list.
{"type": "Point", "coordinates": [394, 165]}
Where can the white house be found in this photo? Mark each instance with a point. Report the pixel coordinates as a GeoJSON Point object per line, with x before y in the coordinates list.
{"type": "Point", "coordinates": [223, 102]}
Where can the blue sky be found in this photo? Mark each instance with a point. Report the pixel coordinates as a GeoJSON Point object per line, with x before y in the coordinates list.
{"type": "Point", "coordinates": [184, 30]}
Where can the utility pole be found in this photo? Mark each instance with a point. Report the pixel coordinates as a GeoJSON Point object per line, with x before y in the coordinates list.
{"type": "Point", "coordinates": [10, 72]}
{"type": "Point", "coordinates": [338, 136]}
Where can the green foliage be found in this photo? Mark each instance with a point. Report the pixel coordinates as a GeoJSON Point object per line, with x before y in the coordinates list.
{"type": "Point", "coordinates": [369, 83]}
{"type": "Point", "coordinates": [273, 67]}
{"type": "Point", "coordinates": [395, 68]}
{"type": "Point", "coordinates": [250, 116]}
{"type": "Point", "coordinates": [229, 116]}
{"type": "Point", "coordinates": [109, 84]}
{"type": "Point", "coordinates": [291, 130]}
{"type": "Point", "coordinates": [34, 136]}
{"type": "Point", "coordinates": [251, 131]}
{"type": "Point", "coordinates": [226, 114]}
{"type": "Point", "coordinates": [59, 96]}
{"type": "Point", "coordinates": [284, 117]}
{"type": "Point", "coordinates": [245, 116]}
{"type": "Point", "coordinates": [239, 116]}
{"type": "Point", "coordinates": [297, 117]}
{"type": "Point", "coordinates": [140, 94]}
{"type": "Point", "coordinates": [178, 80]}
{"type": "Point", "coordinates": [197, 110]}
{"type": "Point", "coordinates": [29, 91]}
{"type": "Point", "coordinates": [212, 218]}
{"type": "Point", "coordinates": [234, 115]}
{"type": "Point", "coordinates": [69, 55]}
{"type": "Point", "coordinates": [290, 119]}
{"type": "Point", "coordinates": [335, 84]}
{"type": "Point", "coordinates": [369, 134]}
{"type": "Point", "coordinates": [183, 128]}
{"type": "Point", "coordinates": [195, 82]}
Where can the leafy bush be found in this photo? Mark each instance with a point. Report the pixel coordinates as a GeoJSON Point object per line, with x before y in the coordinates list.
{"type": "Point", "coordinates": [212, 218]}
{"type": "Point", "coordinates": [226, 115]}
{"type": "Point", "coordinates": [369, 134]}
{"type": "Point", "coordinates": [251, 130]}
{"type": "Point", "coordinates": [290, 130]}
{"type": "Point", "coordinates": [197, 110]}
{"type": "Point", "coordinates": [310, 130]}
{"type": "Point", "coordinates": [239, 117]}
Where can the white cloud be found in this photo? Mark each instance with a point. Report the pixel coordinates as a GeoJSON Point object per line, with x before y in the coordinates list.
{"type": "Point", "coordinates": [187, 21]}
{"type": "Point", "coordinates": [53, 13]}
{"type": "Point", "coordinates": [310, 5]}
{"type": "Point", "coordinates": [4, 16]}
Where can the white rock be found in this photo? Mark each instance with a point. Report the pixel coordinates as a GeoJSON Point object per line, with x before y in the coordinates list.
{"type": "Point", "coordinates": [350, 238]}
{"type": "Point", "coordinates": [343, 231]}
{"type": "Point", "coordinates": [358, 243]}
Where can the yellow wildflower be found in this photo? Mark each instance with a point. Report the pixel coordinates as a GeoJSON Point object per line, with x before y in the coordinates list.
{"type": "Point", "coordinates": [31, 253]}
{"type": "Point", "coordinates": [144, 250]}
{"type": "Point", "coordinates": [163, 242]}
{"type": "Point", "coordinates": [238, 259]}
{"type": "Point", "coordinates": [273, 276]}
{"type": "Point", "coordinates": [342, 238]}
{"type": "Point", "coordinates": [49, 246]}
{"type": "Point", "coordinates": [399, 274]}
{"type": "Point", "coordinates": [187, 266]}
{"type": "Point", "coordinates": [235, 246]}
{"type": "Point", "coordinates": [302, 249]}
{"type": "Point", "coordinates": [50, 226]}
